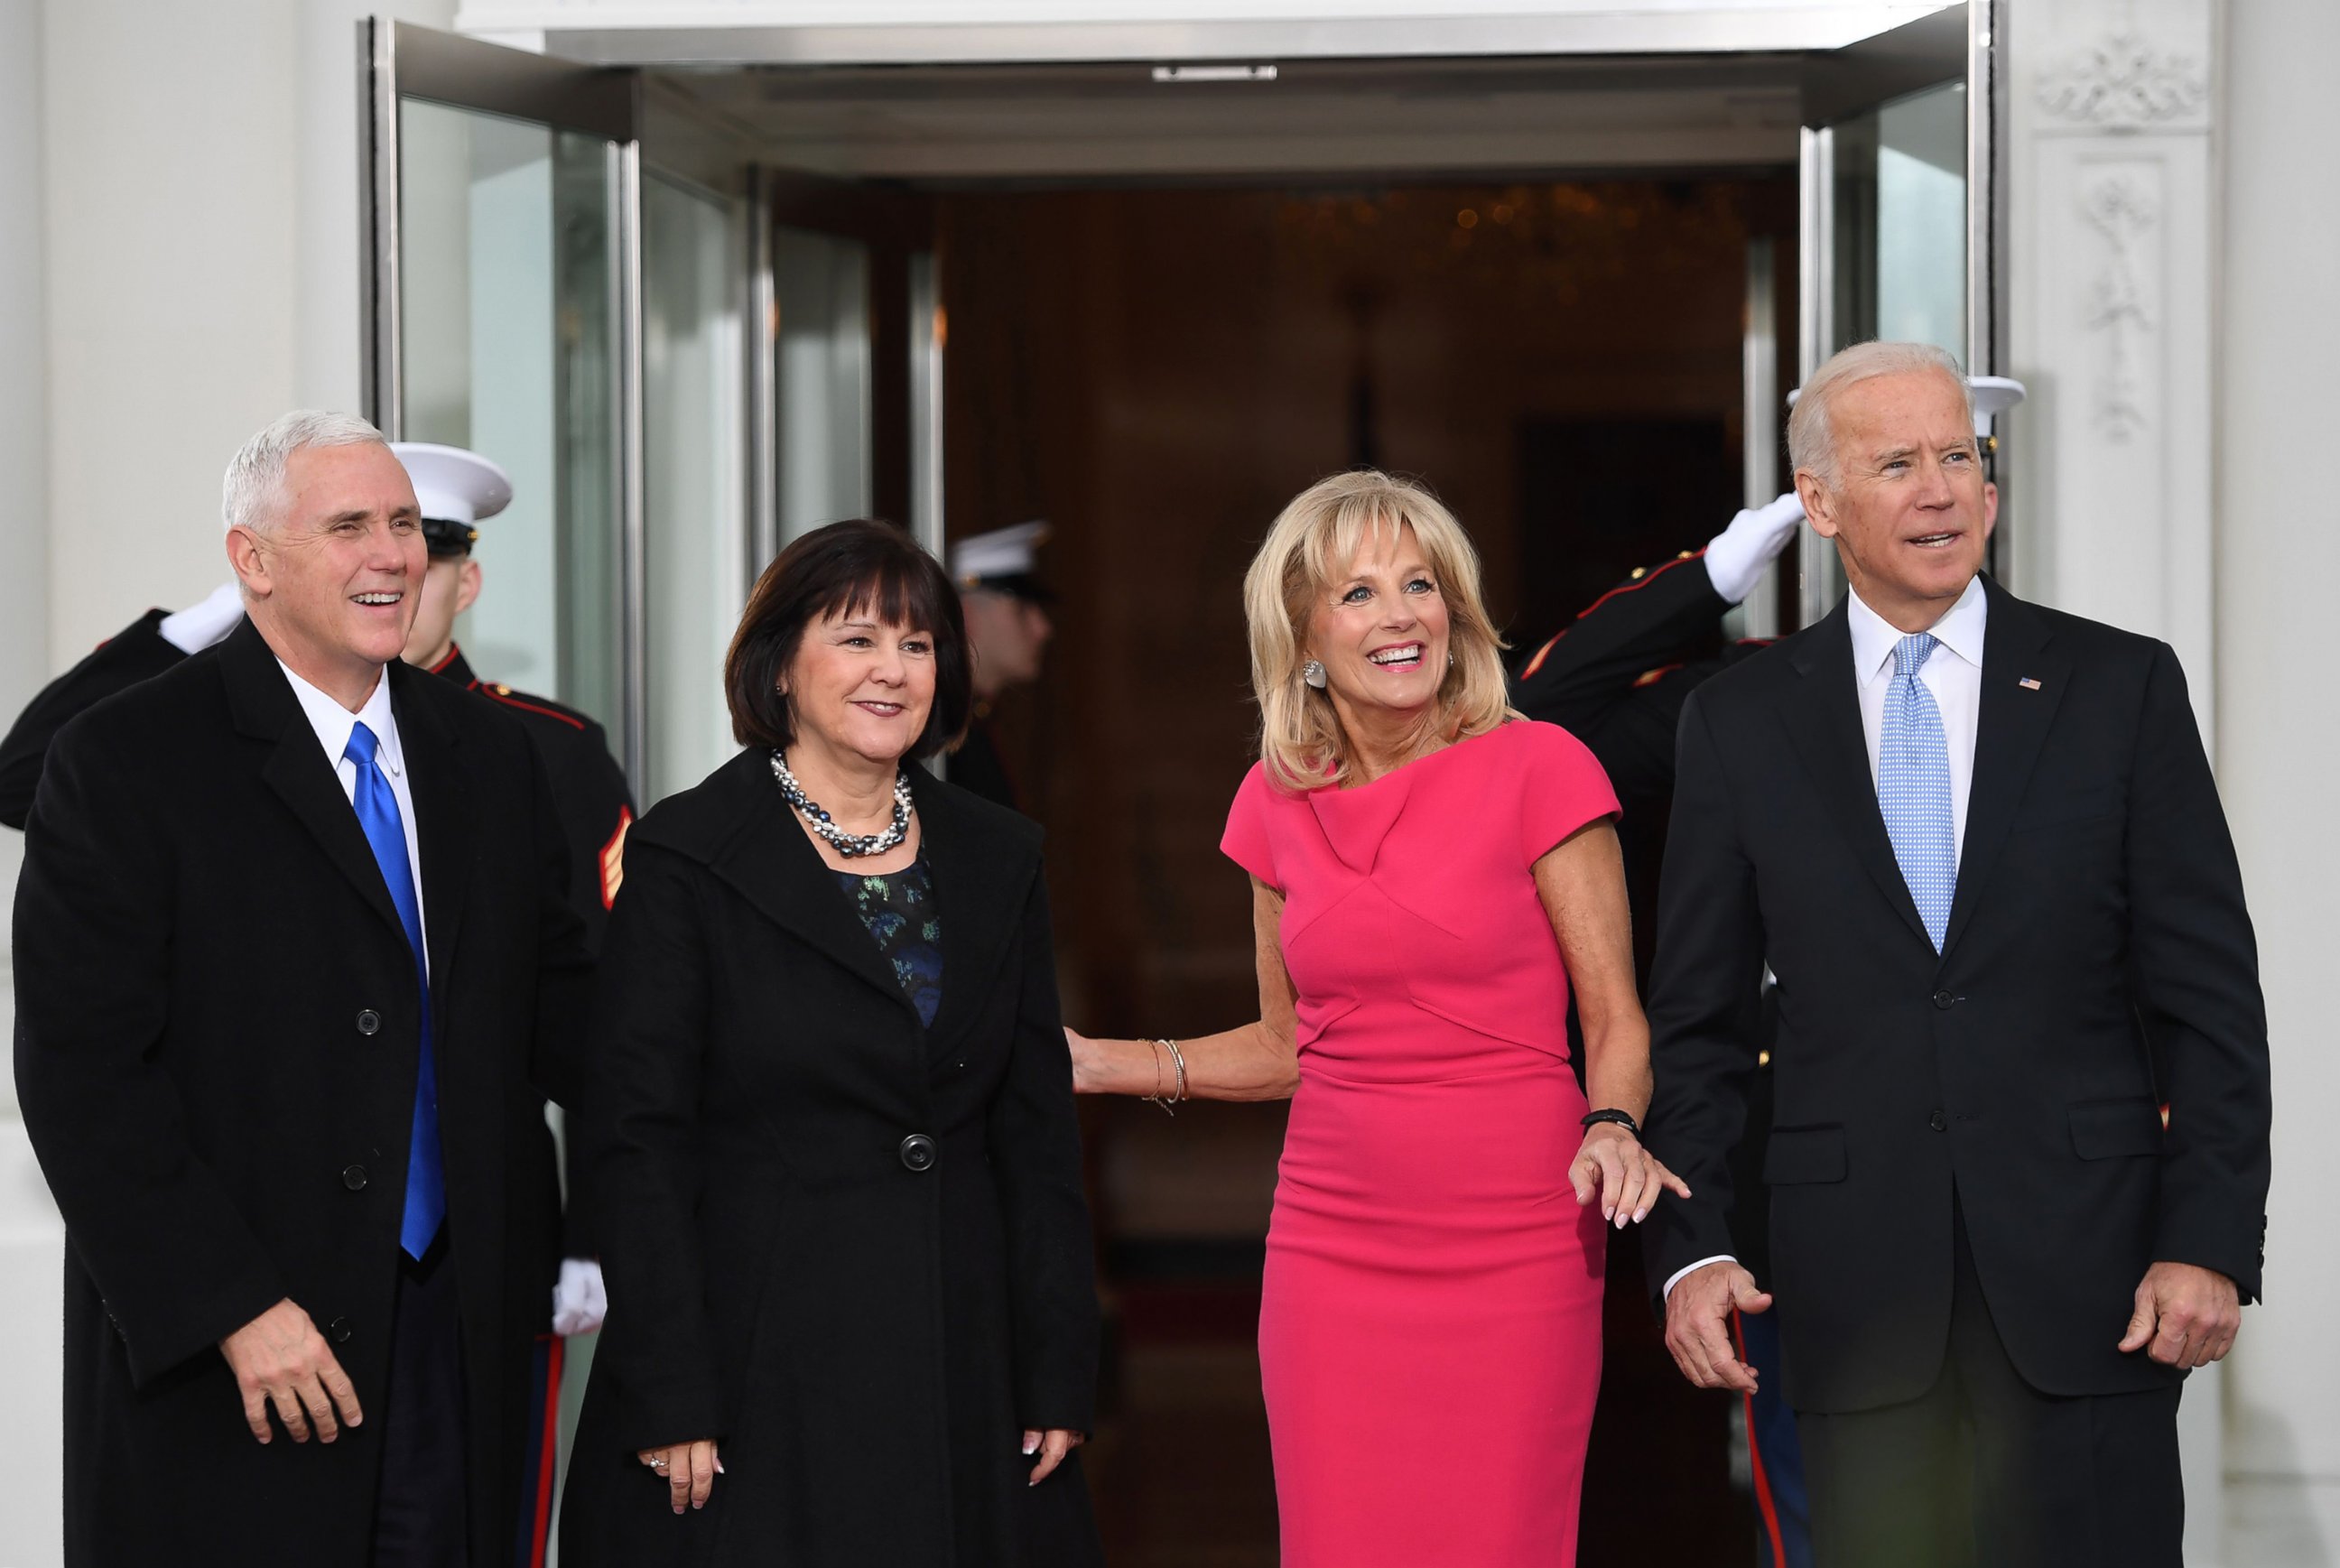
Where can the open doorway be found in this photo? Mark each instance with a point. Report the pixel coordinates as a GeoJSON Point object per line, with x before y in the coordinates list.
{"type": "Point", "coordinates": [1156, 371]}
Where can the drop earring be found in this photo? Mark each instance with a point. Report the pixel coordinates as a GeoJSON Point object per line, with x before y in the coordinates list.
{"type": "Point", "coordinates": [1312, 674]}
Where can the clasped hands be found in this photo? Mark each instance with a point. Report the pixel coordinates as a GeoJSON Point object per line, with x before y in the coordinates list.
{"type": "Point", "coordinates": [2184, 1316]}
{"type": "Point", "coordinates": [689, 1469]}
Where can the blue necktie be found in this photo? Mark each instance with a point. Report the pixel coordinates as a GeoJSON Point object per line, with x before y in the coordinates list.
{"type": "Point", "coordinates": [1913, 788]}
{"type": "Point", "coordinates": [426, 1183]}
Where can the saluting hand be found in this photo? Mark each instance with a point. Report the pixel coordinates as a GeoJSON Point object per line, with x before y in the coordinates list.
{"type": "Point", "coordinates": [279, 1358]}
{"type": "Point", "coordinates": [1612, 1166]}
{"type": "Point", "coordinates": [688, 1470]}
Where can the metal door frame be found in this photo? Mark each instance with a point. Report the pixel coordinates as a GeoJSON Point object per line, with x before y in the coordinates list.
{"type": "Point", "coordinates": [399, 60]}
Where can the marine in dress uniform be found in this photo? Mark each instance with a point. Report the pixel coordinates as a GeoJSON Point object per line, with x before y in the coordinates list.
{"type": "Point", "coordinates": [145, 647]}
{"type": "Point", "coordinates": [1007, 626]}
{"type": "Point", "coordinates": [295, 966]}
{"type": "Point", "coordinates": [1617, 677]}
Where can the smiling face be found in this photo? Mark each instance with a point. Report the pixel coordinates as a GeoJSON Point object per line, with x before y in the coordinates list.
{"type": "Point", "coordinates": [1379, 628]}
{"type": "Point", "coordinates": [332, 580]}
{"type": "Point", "coordinates": [1910, 513]}
{"type": "Point", "coordinates": [859, 687]}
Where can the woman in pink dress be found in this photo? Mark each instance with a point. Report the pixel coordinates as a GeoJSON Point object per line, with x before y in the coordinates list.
{"type": "Point", "coordinates": [1429, 872]}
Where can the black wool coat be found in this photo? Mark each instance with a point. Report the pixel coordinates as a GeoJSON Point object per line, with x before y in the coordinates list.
{"type": "Point", "coordinates": [2098, 964]}
{"type": "Point", "coordinates": [216, 1042]}
{"type": "Point", "coordinates": [851, 1248]}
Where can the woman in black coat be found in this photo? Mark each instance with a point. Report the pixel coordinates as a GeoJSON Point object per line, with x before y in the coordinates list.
{"type": "Point", "coordinates": [852, 1318]}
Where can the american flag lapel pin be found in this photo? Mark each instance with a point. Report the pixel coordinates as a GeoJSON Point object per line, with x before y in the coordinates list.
{"type": "Point", "coordinates": [2029, 684]}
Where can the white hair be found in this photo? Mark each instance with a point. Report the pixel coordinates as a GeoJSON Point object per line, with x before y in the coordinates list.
{"type": "Point", "coordinates": [251, 492]}
{"type": "Point", "coordinates": [1811, 443]}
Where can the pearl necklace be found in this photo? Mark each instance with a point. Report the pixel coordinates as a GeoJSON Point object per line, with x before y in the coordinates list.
{"type": "Point", "coordinates": [852, 846]}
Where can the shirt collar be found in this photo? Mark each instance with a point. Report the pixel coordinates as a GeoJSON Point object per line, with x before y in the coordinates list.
{"type": "Point", "coordinates": [333, 723]}
{"type": "Point", "coordinates": [1960, 631]}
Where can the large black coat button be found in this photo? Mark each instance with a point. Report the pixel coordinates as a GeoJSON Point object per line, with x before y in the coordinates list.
{"type": "Point", "coordinates": [1945, 1001]}
{"type": "Point", "coordinates": [369, 1022]}
{"type": "Point", "coordinates": [918, 1152]}
{"type": "Point", "coordinates": [353, 1177]}
{"type": "Point", "coordinates": [1937, 1121]}
{"type": "Point", "coordinates": [338, 1331]}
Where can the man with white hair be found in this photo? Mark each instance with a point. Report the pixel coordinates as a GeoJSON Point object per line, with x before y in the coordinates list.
{"type": "Point", "coordinates": [1979, 844]}
{"type": "Point", "coordinates": [293, 962]}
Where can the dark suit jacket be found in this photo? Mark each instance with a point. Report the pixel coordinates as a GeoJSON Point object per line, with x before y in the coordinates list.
{"type": "Point", "coordinates": [137, 652]}
{"type": "Point", "coordinates": [216, 1041]}
{"type": "Point", "coordinates": [2099, 914]}
{"type": "Point", "coordinates": [852, 1248]}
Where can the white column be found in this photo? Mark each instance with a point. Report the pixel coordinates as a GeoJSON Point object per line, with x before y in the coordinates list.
{"type": "Point", "coordinates": [2278, 565]}
{"type": "Point", "coordinates": [2111, 247]}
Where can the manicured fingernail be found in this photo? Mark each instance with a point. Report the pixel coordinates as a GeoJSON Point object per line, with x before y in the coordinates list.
{"type": "Point", "coordinates": [1030, 1447]}
{"type": "Point", "coordinates": [1640, 1214]}
{"type": "Point", "coordinates": [719, 1470]}
{"type": "Point", "coordinates": [1608, 1212]}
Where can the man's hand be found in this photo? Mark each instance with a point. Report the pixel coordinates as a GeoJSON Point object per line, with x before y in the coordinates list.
{"type": "Point", "coordinates": [2186, 1315]}
{"type": "Point", "coordinates": [279, 1358]}
{"type": "Point", "coordinates": [581, 1301]}
{"type": "Point", "coordinates": [1698, 1329]}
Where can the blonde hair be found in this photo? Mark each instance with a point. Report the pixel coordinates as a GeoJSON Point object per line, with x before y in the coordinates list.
{"type": "Point", "coordinates": [1318, 536]}
{"type": "Point", "coordinates": [1811, 442]}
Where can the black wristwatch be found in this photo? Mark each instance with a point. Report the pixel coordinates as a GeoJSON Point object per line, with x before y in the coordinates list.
{"type": "Point", "coordinates": [1622, 1118]}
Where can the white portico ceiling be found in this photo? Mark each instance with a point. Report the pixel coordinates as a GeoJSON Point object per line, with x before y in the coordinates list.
{"type": "Point", "coordinates": [874, 32]}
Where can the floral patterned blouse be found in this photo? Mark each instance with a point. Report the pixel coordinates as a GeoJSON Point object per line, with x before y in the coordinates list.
{"type": "Point", "coordinates": [899, 910]}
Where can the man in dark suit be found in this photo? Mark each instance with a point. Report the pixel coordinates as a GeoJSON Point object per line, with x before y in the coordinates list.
{"type": "Point", "coordinates": [1978, 845]}
{"type": "Point", "coordinates": [293, 962]}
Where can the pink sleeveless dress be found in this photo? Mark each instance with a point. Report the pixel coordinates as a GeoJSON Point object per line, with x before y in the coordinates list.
{"type": "Point", "coordinates": [1429, 1330]}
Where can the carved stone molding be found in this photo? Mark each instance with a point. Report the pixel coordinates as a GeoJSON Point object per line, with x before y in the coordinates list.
{"type": "Point", "coordinates": [2122, 83]}
{"type": "Point", "coordinates": [2121, 208]}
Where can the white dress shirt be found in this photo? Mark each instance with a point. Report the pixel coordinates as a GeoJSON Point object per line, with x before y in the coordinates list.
{"type": "Point", "coordinates": [333, 723]}
{"type": "Point", "coordinates": [1953, 674]}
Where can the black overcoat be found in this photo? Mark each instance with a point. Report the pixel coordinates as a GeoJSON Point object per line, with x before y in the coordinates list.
{"type": "Point", "coordinates": [2098, 935]}
{"type": "Point", "coordinates": [216, 1041]}
{"type": "Point", "coordinates": [853, 1249]}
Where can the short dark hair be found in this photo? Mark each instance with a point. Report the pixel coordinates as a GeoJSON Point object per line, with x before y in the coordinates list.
{"type": "Point", "coordinates": [857, 565]}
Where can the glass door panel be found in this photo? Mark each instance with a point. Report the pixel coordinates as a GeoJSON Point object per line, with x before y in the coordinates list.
{"type": "Point", "coordinates": [504, 236]}
{"type": "Point", "coordinates": [694, 348]}
{"type": "Point", "coordinates": [820, 285]}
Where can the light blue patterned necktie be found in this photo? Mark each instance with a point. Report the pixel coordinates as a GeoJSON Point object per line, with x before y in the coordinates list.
{"type": "Point", "coordinates": [1913, 787]}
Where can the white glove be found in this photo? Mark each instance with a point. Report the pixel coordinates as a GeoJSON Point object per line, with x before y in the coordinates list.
{"type": "Point", "coordinates": [1737, 556]}
{"type": "Point", "coordinates": [579, 1301]}
{"type": "Point", "coordinates": [198, 626]}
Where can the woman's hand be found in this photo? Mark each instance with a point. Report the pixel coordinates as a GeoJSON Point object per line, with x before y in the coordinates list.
{"type": "Point", "coordinates": [1626, 1179]}
{"type": "Point", "coordinates": [688, 1470]}
{"type": "Point", "coordinates": [1051, 1446]}
{"type": "Point", "coordinates": [1088, 1063]}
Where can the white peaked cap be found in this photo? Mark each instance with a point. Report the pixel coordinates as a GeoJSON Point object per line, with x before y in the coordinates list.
{"type": "Point", "coordinates": [1002, 553]}
{"type": "Point", "coordinates": [452, 484]}
{"type": "Point", "coordinates": [1993, 396]}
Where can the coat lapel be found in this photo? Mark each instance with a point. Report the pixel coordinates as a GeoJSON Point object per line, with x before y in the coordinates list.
{"type": "Point", "coordinates": [1823, 716]}
{"type": "Point", "coordinates": [2009, 729]}
{"type": "Point", "coordinates": [773, 866]}
{"type": "Point", "coordinates": [443, 818]}
{"type": "Point", "coordinates": [982, 878]}
{"type": "Point", "coordinates": [265, 709]}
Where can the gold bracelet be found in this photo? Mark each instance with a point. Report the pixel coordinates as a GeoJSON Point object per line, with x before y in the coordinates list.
{"type": "Point", "coordinates": [1178, 1060]}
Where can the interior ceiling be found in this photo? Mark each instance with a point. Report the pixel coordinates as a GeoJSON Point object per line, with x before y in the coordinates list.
{"type": "Point", "coordinates": [947, 124]}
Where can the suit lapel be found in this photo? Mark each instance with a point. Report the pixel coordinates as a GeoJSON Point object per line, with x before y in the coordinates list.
{"type": "Point", "coordinates": [773, 866]}
{"type": "Point", "coordinates": [443, 818]}
{"type": "Point", "coordinates": [1823, 717]}
{"type": "Point", "coordinates": [265, 709]}
{"type": "Point", "coordinates": [981, 881]}
{"type": "Point", "coordinates": [2009, 729]}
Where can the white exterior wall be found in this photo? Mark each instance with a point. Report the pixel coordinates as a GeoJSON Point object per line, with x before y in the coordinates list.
{"type": "Point", "coordinates": [2279, 563]}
